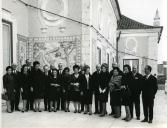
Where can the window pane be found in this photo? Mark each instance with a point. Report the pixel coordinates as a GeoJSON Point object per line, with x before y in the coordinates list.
{"type": "Point", "coordinates": [6, 45]}
{"type": "Point", "coordinates": [131, 62]}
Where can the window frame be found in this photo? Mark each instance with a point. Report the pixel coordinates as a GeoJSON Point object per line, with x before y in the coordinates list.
{"type": "Point", "coordinates": [11, 37]}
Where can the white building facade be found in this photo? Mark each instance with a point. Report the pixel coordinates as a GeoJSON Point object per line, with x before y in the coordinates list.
{"type": "Point", "coordinates": [73, 32]}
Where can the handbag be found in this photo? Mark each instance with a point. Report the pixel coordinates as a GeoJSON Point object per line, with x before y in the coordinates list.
{"type": "Point", "coordinates": [4, 96]}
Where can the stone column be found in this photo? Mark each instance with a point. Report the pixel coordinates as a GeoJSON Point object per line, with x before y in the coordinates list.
{"type": "Point", "coordinates": [86, 33]}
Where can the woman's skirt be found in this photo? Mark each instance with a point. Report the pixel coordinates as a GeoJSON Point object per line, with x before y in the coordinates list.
{"type": "Point", "coordinates": [76, 96]}
{"type": "Point", "coordinates": [125, 94]}
{"type": "Point", "coordinates": [54, 93]}
{"type": "Point", "coordinates": [66, 95]}
{"type": "Point", "coordinates": [115, 98]}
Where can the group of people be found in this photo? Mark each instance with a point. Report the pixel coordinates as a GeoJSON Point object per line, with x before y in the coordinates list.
{"type": "Point", "coordinates": [58, 87]}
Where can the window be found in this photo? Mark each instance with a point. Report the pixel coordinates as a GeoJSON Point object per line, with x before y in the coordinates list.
{"type": "Point", "coordinates": [131, 62]}
{"type": "Point", "coordinates": [7, 44]}
{"type": "Point", "coordinates": [98, 55]}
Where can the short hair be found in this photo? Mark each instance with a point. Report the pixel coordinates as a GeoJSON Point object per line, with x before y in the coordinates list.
{"type": "Point", "coordinates": [76, 66]}
{"type": "Point", "coordinates": [116, 68]}
{"type": "Point", "coordinates": [9, 67]}
{"type": "Point", "coordinates": [27, 60]}
{"type": "Point", "coordinates": [98, 65]}
{"type": "Point", "coordinates": [13, 64]}
{"type": "Point", "coordinates": [86, 67]}
{"type": "Point", "coordinates": [54, 70]}
{"type": "Point", "coordinates": [66, 69]}
{"type": "Point", "coordinates": [149, 67]}
{"type": "Point", "coordinates": [35, 63]}
{"type": "Point", "coordinates": [126, 65]}
{"type": "Point", "coordinates": [45, 66]}
{"type": "Point", "coordinates": [22, 68]}
{"type": "Point", "coordinates": [104, 65]}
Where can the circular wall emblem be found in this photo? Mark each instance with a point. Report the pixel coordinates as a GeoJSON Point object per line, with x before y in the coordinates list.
{"type": "Point", "coordinates": [131, 44]}
{"type": "Point", "coordinates": [59, 7]}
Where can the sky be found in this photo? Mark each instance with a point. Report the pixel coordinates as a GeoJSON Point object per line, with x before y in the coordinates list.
{"type": "Point", "coordinates": [144, 11]}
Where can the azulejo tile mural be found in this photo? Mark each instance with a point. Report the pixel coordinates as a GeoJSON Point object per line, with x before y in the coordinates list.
{"type": "Point", "coordinates": [22, 47]}
{"type": "Point", "coordinates": [53, 50]}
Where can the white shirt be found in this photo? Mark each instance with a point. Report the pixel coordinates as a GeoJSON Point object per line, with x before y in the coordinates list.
{"type": "Point", "coordinates": [147, 76]}
{"type": "Point", "coordinates": [87, 78]}
{"type": "Point", "coordinates": [60, 71]}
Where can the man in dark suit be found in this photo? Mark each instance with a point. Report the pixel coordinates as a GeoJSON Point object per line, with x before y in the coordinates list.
{"type": "Point", "coordinates": [46, 80]}
{"type": "Point", "coordinates": [95, 83]}
{"type": "Point", "coordinates": [82, 72]}
{"type": "Point", "coordinates": [50, 71]}
{"type": "Point", "coordinates": [149, 90]}
{"type": "Point", "coordinates": [30, 100]}
{"type": "Point", "coordinates": [60, 104]}
{"type": "Point", "coordinates": [17, 87]}
{"type": "Point", "coordinates": [28, 63]}
{"type": "Point", "coordinates": [135, 88]}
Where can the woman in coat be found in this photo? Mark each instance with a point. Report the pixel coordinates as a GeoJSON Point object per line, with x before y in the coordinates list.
{"type": "Point", "coordinates": [25, 86]}
{"type": "Point", "coordinates": [115, 91]}
{"type": "Point", "coordinates": [103, 88]}
{"type": "Point", "coordinates": [54, 91]}
{"type": "Point", "coordinates": [37, 84]}
{"type": "Point", "coordinates": [75, 86]}
{"type": "Point", "coordinates": [127, 79]}
{"type": "Point", "coordinates": [66, 88]}
{"type": "Point", "coordinates": [87, 90]}
{"type": "Point", "coordinates": [8, 84]}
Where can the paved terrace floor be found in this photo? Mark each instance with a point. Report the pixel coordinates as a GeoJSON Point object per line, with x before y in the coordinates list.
{"type": "Point", "coordinates": [61, 119]}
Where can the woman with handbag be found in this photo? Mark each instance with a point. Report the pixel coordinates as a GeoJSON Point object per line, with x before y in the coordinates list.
{"type": "Point", "coordinates": [9, 88]}
{"type": "Point", "coordinates": [127, 79]}
{"type": "Point", "coordinates": [115, 91]}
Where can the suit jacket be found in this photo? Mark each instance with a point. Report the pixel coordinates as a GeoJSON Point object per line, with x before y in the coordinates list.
{"type": "Point", "coordinates": [104, 80]}
{"type": "Point", "coordinates": [16, 76]}
{"type": "Point", "coordinates": [46, 82]}
{"type": "Point", "coordinates": [50, 73]}
{"type": "Point", "coordinates": [85, 85]}
{"type": "Point", "coordinates": [136, 84]}
{"type": "Point", "coordinates": [60, 76]}
{"type": "Point", "coordinates": [149, 87]}
{"type": "Point", "coordinates": [96, 81]}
